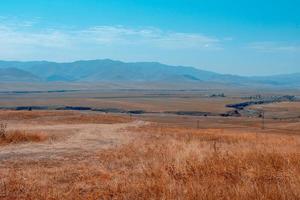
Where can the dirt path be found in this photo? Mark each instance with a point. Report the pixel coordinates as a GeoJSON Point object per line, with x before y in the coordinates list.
{"type": "Point", "coordinates": [74, 140]}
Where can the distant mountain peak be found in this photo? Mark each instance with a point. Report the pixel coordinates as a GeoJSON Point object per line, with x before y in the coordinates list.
{"type": "Point", "coordinates": [117, 71]}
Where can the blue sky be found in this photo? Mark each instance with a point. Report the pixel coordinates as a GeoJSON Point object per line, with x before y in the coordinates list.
{"type": "Point", "coordinates": [233, 36]}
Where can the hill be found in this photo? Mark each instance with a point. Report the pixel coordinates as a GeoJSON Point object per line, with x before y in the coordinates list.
{"type": "Point", "coordinates": [116, 71]}
{"type": "Point", "coordinates": [17, 75]}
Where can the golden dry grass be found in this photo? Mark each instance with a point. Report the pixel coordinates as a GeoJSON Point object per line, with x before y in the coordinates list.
{"type": "Point", "coordinates": [167, 163]}
{"type": "Point", "coordinates": [93, 118]}
{"type": "Point", "coordinates": [61, 117]}
{"type": "Point", "coordinates": [19, 136]}
{"type": "Point", "coordinates": [27, 115]}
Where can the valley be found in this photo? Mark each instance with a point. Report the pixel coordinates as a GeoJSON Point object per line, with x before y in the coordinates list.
{"type": "Point", "coordinates": [149, 100]}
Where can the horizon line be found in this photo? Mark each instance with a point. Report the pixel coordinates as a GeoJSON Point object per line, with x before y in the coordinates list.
{"type": "Point", "coordinates": [156, 62]}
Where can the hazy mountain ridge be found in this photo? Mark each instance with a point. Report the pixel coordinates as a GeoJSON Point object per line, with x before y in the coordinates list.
{"type": "Point", "coordinates": [14, 74]}
{"type": "Point", "coordinates": [110, 70]}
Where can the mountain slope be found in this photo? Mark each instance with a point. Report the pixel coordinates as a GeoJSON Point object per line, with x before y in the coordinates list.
{"type": "Point", "coordinates": [109, 70]}
{"type": "Point", "coordinates": [17, 75]}
{"type": "Point", "coordinates": [284, 79]}
{"type": "Point", "coordinates": [117, 71]}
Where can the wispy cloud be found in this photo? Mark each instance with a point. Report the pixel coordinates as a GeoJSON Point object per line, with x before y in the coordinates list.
{"type": "Point", "coordinates": [151, 37]}
{"type": "Point", "coordinates": [24, 35]}
{"type": "Point", "coordinates": [273, 47]}
{"type": "Point", "coordinates": [13, 38]}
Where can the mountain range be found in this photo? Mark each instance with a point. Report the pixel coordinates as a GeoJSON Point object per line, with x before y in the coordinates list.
{"type": "Point", "coordinates": [116, 71]}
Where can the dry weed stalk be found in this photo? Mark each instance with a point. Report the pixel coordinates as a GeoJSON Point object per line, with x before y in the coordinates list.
{"type": "Point", "coordinates": [3, 128]}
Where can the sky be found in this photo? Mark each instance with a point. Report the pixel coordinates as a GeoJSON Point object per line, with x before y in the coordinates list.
{"type": "Point", "coordinates": [243, 37]}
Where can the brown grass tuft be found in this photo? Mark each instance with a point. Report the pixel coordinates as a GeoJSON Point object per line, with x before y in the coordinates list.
{"type": "Point", "coordinates": [18, 136]}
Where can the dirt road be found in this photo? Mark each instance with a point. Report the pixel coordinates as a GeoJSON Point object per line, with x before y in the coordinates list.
{"type": "Point", "coordinates": [73, 140]}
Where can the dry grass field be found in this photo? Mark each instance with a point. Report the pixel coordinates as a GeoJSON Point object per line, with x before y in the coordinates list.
{"type": "Point", "coordinates": [76, 155]}
{"type": "Point", "coordinates": [283, 110]}
{"type": "Point", "coordinates": [150, 101]}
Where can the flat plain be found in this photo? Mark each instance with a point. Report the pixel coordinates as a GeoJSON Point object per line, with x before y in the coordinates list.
{"type": "Point", "coordinates": [171, 150]}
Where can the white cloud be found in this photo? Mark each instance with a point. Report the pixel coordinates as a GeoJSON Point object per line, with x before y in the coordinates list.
{"type": "Point", "coordinates": [273, 47]}
{"type": "Point", "coordinates": [13, 38]}
{"type": "Point", "coordinates": [151, 37]}
{"type": "Point", "coordinates": [30, 40]}
{"type": "Point", "coordinates": [21, 35]}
